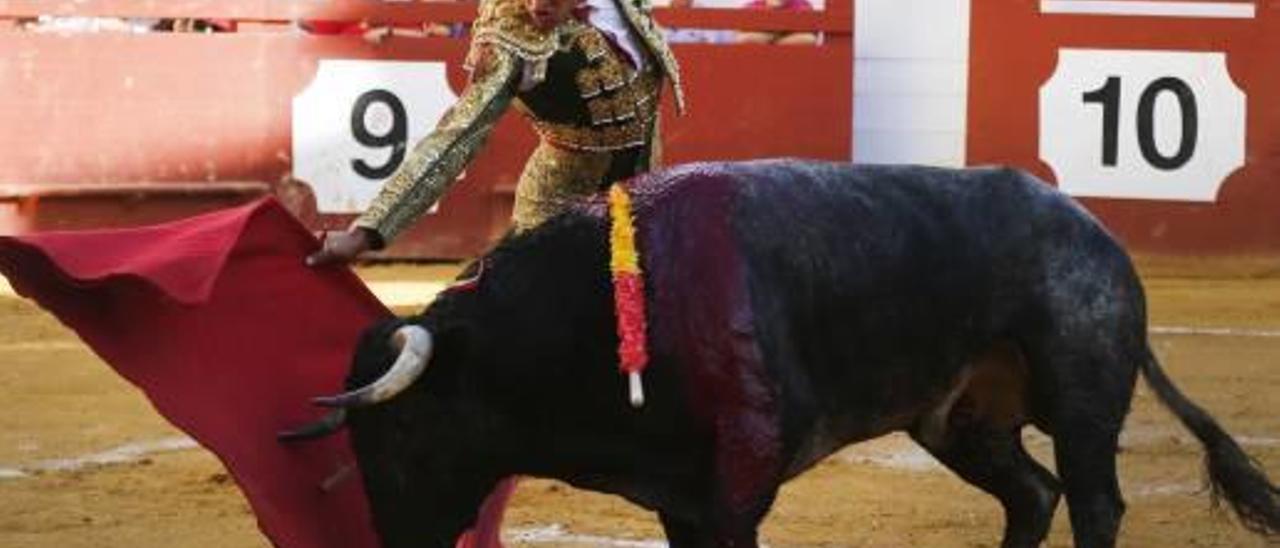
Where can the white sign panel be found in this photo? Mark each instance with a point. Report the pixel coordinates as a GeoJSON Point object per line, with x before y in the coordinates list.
{"type": "Point", "coordinates": [354, 124]}
{"type": "Point", "coordinates": [1157, 125]}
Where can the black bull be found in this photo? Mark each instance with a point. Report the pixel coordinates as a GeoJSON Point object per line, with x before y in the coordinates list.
{"type": "Point", "coordinates": [794, 308]}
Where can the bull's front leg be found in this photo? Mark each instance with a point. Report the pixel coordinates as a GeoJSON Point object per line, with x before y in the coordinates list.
{"type": "Point", "coordinates": [748, 474]}
{"type": "Point", "coordinates": [425, 483]}
{"type": "Point", "coordinates": [705, 321]}
{"type": "Point", "coordinates": [424, 510]}
{"type": "Point", "coordinates": [742, 480]}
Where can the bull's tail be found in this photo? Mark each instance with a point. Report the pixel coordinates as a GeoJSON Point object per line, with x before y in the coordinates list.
{"type": "Point", "coordinates": [1233, 475]}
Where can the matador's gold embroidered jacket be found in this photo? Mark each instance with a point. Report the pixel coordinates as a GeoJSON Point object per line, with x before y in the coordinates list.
{"type": "Point", "coordinates": [596, 114]}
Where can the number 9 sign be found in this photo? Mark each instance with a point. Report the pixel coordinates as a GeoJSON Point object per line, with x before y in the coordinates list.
{"type": "Point", "coordinates": [1159, 125]}
{"type": "Point", "coordinates": [354, 123]}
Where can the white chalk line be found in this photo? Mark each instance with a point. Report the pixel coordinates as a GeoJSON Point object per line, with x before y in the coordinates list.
{"type": "Point", "coordinates": [557, 534]}
{"type": "Point", "coordinates": [1213, 331]}
{"type": "Point", "coordinates": [1257, 441]}
{"type": "Point", "coordinates": [1161, 490]}
{"type": "Point", "coordinates": [910, 459]}
{"type": "Point", "coordinates": [41, 346]}
{"type": "Point", "coordinates": [898, 453]}
{"type": "Point", "coordinates": [128, 453]}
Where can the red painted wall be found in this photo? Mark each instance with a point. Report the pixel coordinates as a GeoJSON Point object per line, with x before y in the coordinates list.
{"type": "Point", "coordinates": [1015, 50]}
{"type": "Point", "coordinates": [119, 129]}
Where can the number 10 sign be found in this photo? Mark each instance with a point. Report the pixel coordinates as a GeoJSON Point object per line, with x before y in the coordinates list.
{"type": "Point", "coordinates": [1164, 125]}
{"type": "Point", "coordinates": [354, 124]}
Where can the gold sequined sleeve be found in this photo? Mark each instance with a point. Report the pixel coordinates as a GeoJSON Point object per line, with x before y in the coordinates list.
{"type": "Point", "coordinates": [439, 157]}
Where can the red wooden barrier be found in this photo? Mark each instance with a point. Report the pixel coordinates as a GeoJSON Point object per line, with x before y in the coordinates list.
{"type": "Point", "coordinates": [109, 129]}
{"type": "Point", "coordinates": [1165, 123]}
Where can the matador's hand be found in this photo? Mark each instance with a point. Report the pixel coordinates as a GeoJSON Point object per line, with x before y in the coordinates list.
{"type": "Point", "coordinates": [341, 247]}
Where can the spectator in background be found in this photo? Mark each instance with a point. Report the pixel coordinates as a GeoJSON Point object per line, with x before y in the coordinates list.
{"type": "Point", "coordinates": [336, 28]}
{"type": "Point", "coordinates": [376, 34]}
{"type": "Point", "coordinates": [75, 24]}
{"type": "Point", "coordinates": [698, 36]}
{"type": "Point", "coordinates": [332, 28]}
{"type": "Point", "coordinates": [137, 25]}
{"type": "Point", "coordinates": [780, 38]}
{"type": "Point", "coordinates": [195, 25]}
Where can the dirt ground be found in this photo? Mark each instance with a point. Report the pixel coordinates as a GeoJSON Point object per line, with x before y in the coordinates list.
{"type": "Point", "coordinates": [85, 462]}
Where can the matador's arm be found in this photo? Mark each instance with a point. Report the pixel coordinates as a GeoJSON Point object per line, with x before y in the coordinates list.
{"type": "Point", "coordinates": [439, 157]}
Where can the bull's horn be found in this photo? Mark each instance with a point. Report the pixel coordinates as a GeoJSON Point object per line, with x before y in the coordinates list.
{"type": "Point", "coordinates": [414, 344]}
{"type": "Point", "coordinates": [328, 424]}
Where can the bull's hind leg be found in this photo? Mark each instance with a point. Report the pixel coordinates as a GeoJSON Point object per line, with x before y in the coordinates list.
{"type": "Point", "coordinates": [1087, 415]}
{"type": "Point", "coordinates": [1084, 375]}
{"type": "Point", "coordinates": [1086, 457]}
{"type": "Point", "coordinates": [977, 435]}
{"type": "Point", "coordinates": [1085, 337]}
{"type": "Point", "coordinates": [1087, 383]}
{"type": "Point", "coordinates": [996, 462]}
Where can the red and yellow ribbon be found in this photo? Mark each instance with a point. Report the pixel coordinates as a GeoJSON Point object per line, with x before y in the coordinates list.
{"type": "Point", "coordinates": [628, 292]}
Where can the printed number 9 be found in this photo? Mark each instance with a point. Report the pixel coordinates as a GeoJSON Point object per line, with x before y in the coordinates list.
{"type": "Point", "coordinates": [395, 137]}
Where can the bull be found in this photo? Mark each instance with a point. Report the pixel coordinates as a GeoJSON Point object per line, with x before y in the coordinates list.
{"type": "Point", "coordinates": [794, 308]}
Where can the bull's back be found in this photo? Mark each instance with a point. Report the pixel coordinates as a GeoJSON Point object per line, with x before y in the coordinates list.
{"type": "Point", "coordinates": [901, 235]}
{"type": "Point", "coordinates": [869, 285]}
{"type": "Point", "coordinates": [896, 216]}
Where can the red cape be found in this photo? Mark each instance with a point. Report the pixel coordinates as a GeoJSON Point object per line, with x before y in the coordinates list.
{"type": "Point", "coordinates": [229, 334]}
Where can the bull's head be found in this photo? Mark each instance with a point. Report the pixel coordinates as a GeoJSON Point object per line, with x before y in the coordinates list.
{"type": "Point", "coordinates": [413, 440]}
{"type": "Point", "coordinates": [413, 344]}
{"type": "Point", "coordinates": [510, 355]}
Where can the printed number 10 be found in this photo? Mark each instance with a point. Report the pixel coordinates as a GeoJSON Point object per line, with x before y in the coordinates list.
{"type": "Point", "coordinates": [1109, 97]}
